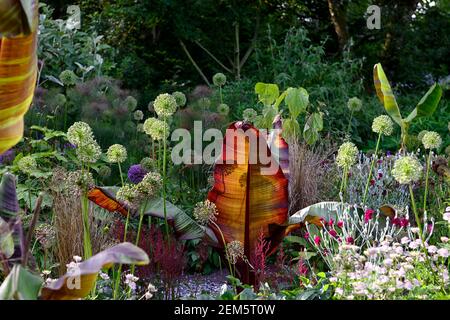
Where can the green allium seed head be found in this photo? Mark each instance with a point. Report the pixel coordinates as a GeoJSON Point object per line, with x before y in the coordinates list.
{"type": "Point", "coordinates": [249, 115]}
{"type": "Point", "coordinates": [138, 115]}
{"type": "Point", "coordinates": [68, 78]}
{"type": "Point", "coordinates": [104, 171]}
{"type": "Point", "coordinates": [89, 153]}
{"type": "Point", "coordinates": [140, 127]}
{"type": "Point", "coordinates": [165, 105]}
{"type": "Point", "coordinates": [421, 134]}
{"type": "Point", "coordinates": [180, 98]}
{"type": "Point", "coordinates": [131, 103]}
{"type": "Point", "coordinates": [235, 251]}
{"type": "Point", "coordinates": [116, 153]}
{"type": "Point", "coordinates": [130, 195]}
{"type": "Point", "coordinates": [205, 212]}
{"type": "Point", "coordinates": [155, 128]}
{"type": "Point", "coordinates": [60, 99]}
{"type": "Point", "coordinates": [151, 184]}
{"type": "Point", "coordinates": [223, 109]}
{"type": "Point", "coordinates": [431, 140]}
{"type": "Point", "coordinates": [80, 133]}
{"type": "Point", "coordinates": [347, 155]}
{"type": "Point", "coordinates": [204, 103]}
{"type": "Point", "coordinates": [354, 104]}
{"type": "Point", "coordinates": [407, 169]}
{"type": "Point", "coordinates": [27, 164]}
{"type": "Point", "coordinates": [447, 151]}
{"type": "Point", "coordinates": [82, 179]}
{"type": "Point", "coordinates": [219, 79]}
{"type": "Point", "coordinates": [148, 163]}
{"type": "Point", "coordinates": [383, 124]}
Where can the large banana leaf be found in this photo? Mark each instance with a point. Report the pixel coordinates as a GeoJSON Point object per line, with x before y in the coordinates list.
{"type": "Point", "coordinates": [20, 284]}
{"type": "Point", "coordinates": [185, 227]}
{"type": "Point", "coordinates": [9, 205]}
{"type": "Point", "coordinates": [18, 66]}
{"type": "Point", "coordinates": [385, 94]}
{"type": "Point", "coordinates": [249, 200]}
{"type": "Point", "coordinates": [278, 146]}
{"type": "Point", "coordinates": [428, 104]}
{"type": "Point", "coordinates": [78, 284]}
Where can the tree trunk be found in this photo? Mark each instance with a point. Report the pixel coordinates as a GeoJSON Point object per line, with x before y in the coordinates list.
{"type": "Point", "coordinates": [338, 12]}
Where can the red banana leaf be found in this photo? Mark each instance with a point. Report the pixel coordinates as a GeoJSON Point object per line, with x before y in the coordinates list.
{"type": "Point", "coordinates": [103, 198]}
{"type": "Point", "coordinates": [248, 201]}
{"type": "Point", "coordinates": [278, 146]}
{"type": "Point", "coordinates": [78, 284]}
{"type": "Point", "coordinates": [18, 66]}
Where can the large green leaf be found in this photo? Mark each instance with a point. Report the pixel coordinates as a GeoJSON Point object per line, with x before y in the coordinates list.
{"type": "Point", "coordinates": [385, 94]}
{"type": "Point", "coordinates": [20, 284]}
{"type": "Point", "coordinates": [78, 283]}
{"type": "Point", "coordinates": [267, 92]}
{"type": "Point", "coordinates": [313, 125]}
{"type": "Point", "coordinates": [297, 100]}
{"type": "Point", "coordinates": [6, 240]}
{"type": "Point", "coordinates": [428, 104]}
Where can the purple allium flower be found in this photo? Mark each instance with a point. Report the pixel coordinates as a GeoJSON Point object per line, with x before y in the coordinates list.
{"type": "Point", "coordinates": [7, 157]}
{"type": "Point", "coordinates": [136, 173]}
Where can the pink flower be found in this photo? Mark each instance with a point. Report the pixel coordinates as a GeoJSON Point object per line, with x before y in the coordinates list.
{"type": "Point", "coordinates": [396, 222]}
{"type": "Point", "coordinates": [333, 233]}
{"type": "Point", "coordinates": [323, 221]}
{"type": "Point", "coordinates": [302, 268]}
{"type": "Point", "coordinates": [368, 215]}
{"type": "Point", "coordinates": [350, 240]}
{"type": "Point", "coordinates": [380, 175]}
{"type": "Point", "coordinates": [317, 240]}
{"type": "Point", "coordinates": [404, 222]}
{"type": "Point", "coordinates": [372, 182]}
{"type": "Point", "coordinates": [306, 236]}
{"type": "Point", "coordinates": [340, 224]}
{"type": "Point", "coordinates": [331, 222]}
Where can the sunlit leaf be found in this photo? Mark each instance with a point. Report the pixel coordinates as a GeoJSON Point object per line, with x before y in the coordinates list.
{"type": "Point", "coordinates": [106, 199]}
{"type": "Point", "coordinates": [278, 146]}
{"type": "Point", "coordinates": [78, 284]}
{"type": "Point", "coordinates": [267, 92]}
{"type": "Point", "coordinates": [6, 240]}
{"type": "Point", "coordinates": [428, 104]}
{"type": "Point", "coordinates": [297, 100]}
{"type": "Point", "coordinates": [385, 94]}
{"type": "Point", "coordinates": [18, 67]}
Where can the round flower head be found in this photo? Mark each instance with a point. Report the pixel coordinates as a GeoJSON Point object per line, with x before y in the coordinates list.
{"type": "Point", "coordinates": [80, 133]}
{"type": "Point", "coordinates": [27, 164]}
{"type": "Point", "coordinates": [150, 184]}
{"type": "Point", "coordinates": [431, 140]}
{"type": "Point", "coordinates": [354, 104]}
{"type": "Point", "coordinates": [249, 115]}
{"type": "Point", "coordinates": [180, 98]}
{"type": "Point", "coordinates": [136, 173]}
{"type": "Point", "coordinates": [89, 153]}
{"type": "Point", "coordinates": [130, 195]}
{"type": "Point", "coordinates": [116, 153]}
{"type": "Point", "coordinates": [407, 169]}
{"type": "Point", "coordinates": [140, 127]}
{"type": "Point", "coordinates": [204, 103]}
{"type": "Point", "coordinates": [81, 179]}
{"type": "Point", "coordinates": [447, 151]}
{"type": "Point", "coordinates": [383, 124]}
{"type": "Point", "coordinates": [219, 79]}
{"type": "Point", "coordinates": [223, 109]}
{"type": "Point", "coordinates": [46, 235]}
{"type": "Point", "coordinates": [138, 115]}
{"type": "Point", "coordinates": [131, 103]}
{"type": "Point", "coordinates": [60, 99]}
{"type": "Point", "coordinates": [104, 171]}
{"type": "Point", "coordinates": [148, 163]}
{"type": "Point", "coordinates": [156, 129]}
{"type": "Point", "coordinates": [421, 134]}
{"type": "Point", "coordinates": [68, 78]}
{"type": "Point", "coordinates": [165, 105]}
{"type": "Point", "coordinates": [235, 251]}
{"type": "Point", "coordinates": [347, 154]}
{"type": "Point", "coordinates": [205, 212]}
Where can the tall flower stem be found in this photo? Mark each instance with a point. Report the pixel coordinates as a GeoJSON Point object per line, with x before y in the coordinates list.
{"type": "Point", "coordinates": [120, 172]}
{"type": "Point", "coordinates": [426, 182]}
{"type": "Point", "coordinates": [349, 123]}
{"type": "Point", "coordinates": [343, 182]}
{"type": "Point", "coordinates": [166, 225]}
{"type": "Point", "coordinates": [371, 169]}
{"type": "Point", "coordinates": [225, 246]}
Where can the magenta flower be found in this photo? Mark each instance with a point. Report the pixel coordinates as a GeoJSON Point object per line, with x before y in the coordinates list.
{"type": "Point", "coordinates": [404, 222]}
{"type": "Point", "coordinates": [306, 236]}
{"type": "Point", "coordinates": [317, 240]}
{"type": "Point", "coordinates": [368, 215]}
{"type": "Point", "coordinates": [350, 240]}
{"type": "Point", "coordinates": [331, 222]}
{"type": "Point", "coordinates": [333, 233]}
{"type": "Point", "coordinates": [340, 224]}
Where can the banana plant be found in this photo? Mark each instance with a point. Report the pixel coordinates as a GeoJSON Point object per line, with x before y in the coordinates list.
{"type": "Point", "coordinates": [424, 108]}
{"type": "Point", "coordinates": [18, 66]}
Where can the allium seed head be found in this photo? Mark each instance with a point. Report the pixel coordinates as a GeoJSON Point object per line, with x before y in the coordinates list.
{"type": "Point", "coordinates": [156, 128]}
{"type": "Point", "coordinates": [249, 115]}
{"type": "Point", "coordinates": [138, 115]}
{"type": "Point", "coordinates": [205, 212]}
{"type": "Point", "coordinates": [80, 133]}
{"type": "Point", "coordinates": [431, 140]}
{"type": "Point", "coordinates": [383, 124]}
{"type": "Point", "coordinates": [219, 79]}
{"type": "Point", "coordinates": [27, 164]}
{"type": "Point", "coordinates": [68, 78]}
{"type": "Point", "coordinates": [407, 169]}
{"type": "Point", "coordinates": [165, 105]}
{"type": "Point", "coordinates": [347, 155]}
{"type": "Point", "coordinates": [180, 98]}
{"type": "Point", "coordinates": [354, 104]}
{"type": "Point", "coordinates": [116, 153]}
{"type": "Point", "coordinates": [223, 109]}
{"type": "Point", "coordinates": [235, 251]}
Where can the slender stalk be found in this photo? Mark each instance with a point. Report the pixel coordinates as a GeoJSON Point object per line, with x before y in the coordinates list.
{"type": "Point", "coordinates": [166, 224]}
{"type": "Point", "coordinates": [416, 215]}
{"type": "Point", "coordinates": [120, 172]}
{"type": "Point", "coordinates": [371, 168]}
{"type": "Point", "coordinates": [349, 123]}
{"type": "Point", "coordinates": [225, 247]}
{"type": "Point", "coordinates": [343, 181]}
{"type": "Point", "coordinates": [426, 182]}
